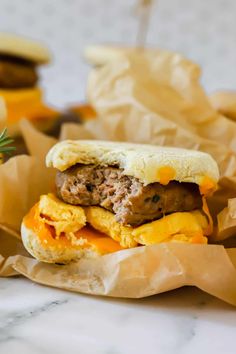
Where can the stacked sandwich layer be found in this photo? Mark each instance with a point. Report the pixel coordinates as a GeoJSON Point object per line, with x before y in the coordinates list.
{"type": "Point", "coordinates": [112, 196]}
{"type": "Point", "coordinates": [19, 60]}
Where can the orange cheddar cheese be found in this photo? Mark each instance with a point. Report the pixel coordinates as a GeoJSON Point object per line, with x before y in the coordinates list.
{"type": "Point", "coordinates": [87, 237]}
{"type": "Point", "coordinates": [207, 186]}
{"type": "Point", "coordinates": [166, 174]}
{"type": "Point", "coordinates": [26, 103]}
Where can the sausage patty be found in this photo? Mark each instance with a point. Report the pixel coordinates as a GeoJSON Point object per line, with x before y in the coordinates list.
{"type": "Point", "coordinates": [17, 73]}
{"type": "Point", "coordinates": [127, 197]}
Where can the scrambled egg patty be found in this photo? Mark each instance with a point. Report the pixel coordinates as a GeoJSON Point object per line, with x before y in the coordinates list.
{"type": "Point", "coordinates": [67, 220]}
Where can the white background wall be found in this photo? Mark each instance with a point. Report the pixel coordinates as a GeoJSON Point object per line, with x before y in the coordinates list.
{"type": "Point", "coordinates": [204, 30]}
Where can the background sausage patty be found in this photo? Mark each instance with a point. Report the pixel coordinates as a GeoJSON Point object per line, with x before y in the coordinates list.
{"type": "Point", "coordinates": [17, 73]}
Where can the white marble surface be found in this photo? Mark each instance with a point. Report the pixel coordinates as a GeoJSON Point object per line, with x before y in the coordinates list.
{"type": "Point", "coordinates": [38, 320]}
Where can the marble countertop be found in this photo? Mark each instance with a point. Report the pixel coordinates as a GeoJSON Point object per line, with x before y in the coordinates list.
{"type": "Point", "coordinates": [39, 320]}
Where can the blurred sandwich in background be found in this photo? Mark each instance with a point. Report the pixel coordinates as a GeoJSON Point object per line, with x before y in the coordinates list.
{"type": "Point", "coordinates": [20, 58]}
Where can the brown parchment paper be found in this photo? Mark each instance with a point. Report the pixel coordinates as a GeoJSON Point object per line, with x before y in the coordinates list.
{"type": "Point", "coordinates": [147, 99]}
{"type": "Point", "coordinates": [2, 113]}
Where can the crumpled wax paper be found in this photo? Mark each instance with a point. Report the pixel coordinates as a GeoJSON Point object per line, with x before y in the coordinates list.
{"type": "Point", "coordinates": [225, 103]}
{"type": "Point", "coordinates": [143, 98]}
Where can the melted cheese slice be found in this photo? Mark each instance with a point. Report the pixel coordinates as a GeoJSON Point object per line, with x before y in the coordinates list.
{"type": "Point", "coordinates": [85, 238]}
{"type": "Point", "coordinates": [165, 174]}
{"type": "Point", "coordinates": [207, 186]}
{"type": "Point", "coordinates": [26, 103]}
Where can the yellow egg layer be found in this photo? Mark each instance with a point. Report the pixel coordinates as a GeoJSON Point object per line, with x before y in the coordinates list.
{"type": "Point", "coordinates": [59, 225]}
{"type": "Point", "coordinates": [181, 227]}
{"type": "Point", "coordinates": [104, 221]}
{"type": "Point", "coordinates": [63, 217]}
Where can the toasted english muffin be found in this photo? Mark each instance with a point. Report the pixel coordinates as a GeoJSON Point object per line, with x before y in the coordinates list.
{"type": "Point", "coordinates": [51, 254]}
{"type": "Point", "coordinates": [25, 48]}
{"type": "Point", "coordinates": [148, 163]}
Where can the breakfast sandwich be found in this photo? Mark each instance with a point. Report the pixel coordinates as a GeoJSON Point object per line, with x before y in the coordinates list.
{"type": "Point", "coordinates": [19, 61]}
{"type": "Point", "coordinates": [111, 196]}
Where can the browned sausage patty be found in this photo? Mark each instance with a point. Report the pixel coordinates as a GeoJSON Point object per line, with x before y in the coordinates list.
{"type": "Point", "coordinates": [127, 197]}
{"type": "Point", "coordinates": [17, 73]}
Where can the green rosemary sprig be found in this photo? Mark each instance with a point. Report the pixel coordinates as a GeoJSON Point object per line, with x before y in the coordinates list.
{"type": "Point", "coordinates": [5, 140]}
